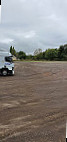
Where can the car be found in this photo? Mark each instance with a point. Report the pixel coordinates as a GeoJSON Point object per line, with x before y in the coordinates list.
{"type": "Point", "coordinates": [6, 63]}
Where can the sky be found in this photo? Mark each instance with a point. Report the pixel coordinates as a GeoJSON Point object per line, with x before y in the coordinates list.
{"type": "Point", "coordinates": [0, 13]}
{"type": "Point", "coordinates": [31, 24]}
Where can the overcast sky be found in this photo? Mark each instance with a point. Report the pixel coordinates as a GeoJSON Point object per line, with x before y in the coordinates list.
{"type": "Point", "coordinates": [31, 24]}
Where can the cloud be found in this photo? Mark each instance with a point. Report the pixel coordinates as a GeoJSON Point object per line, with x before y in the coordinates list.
{"type": "Point", "coordinates": [22, 1]}
{"type": "Point", "coordinates": [30, 34]}
{"type": "Point", "coordinates": [32, 24]}
{"type": "Point", "coordinates": [6, 41]}
{"type": "Point", "coordinates": [0, 13]}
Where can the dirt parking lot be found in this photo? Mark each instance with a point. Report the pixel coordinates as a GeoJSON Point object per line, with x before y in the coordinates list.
{"type": "Point", "coordinates": [33, 103]}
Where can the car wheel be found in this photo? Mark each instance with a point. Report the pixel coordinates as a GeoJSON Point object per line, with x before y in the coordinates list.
{"type": "Point", "coordinates": [4, 72]}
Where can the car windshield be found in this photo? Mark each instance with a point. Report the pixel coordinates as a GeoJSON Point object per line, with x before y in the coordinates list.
{"type": "Point", "coordinates": [9, 59]}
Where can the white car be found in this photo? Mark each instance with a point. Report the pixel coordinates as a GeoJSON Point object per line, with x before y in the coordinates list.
{"type": "Point", "coordinates": [6, 63]}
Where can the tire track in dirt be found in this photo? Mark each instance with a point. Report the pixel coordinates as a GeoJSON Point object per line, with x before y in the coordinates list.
{"type": "Point", "coordinates": [33, 103]}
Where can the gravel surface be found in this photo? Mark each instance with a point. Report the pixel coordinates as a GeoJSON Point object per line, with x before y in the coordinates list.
{"type": "Point", "coordinates": [33, 103]}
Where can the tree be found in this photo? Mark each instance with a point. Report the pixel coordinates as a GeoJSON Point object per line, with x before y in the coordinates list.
{"type": "Point", "coordinates": [39, 56]}
{"type": "Point", "coordinates": [11, 49]}
{"type": "Point", "coordinates": [29, 57]}
{"type": "Point", "coordinates": [37, 51]}
{"type": "Point", "coordinates": [21, 55]}
{"type": "Point", "coordinates": [51, 54]}
{"type": "Point", "coordinates": [65, 49]}
{"type": "Point", "coordinates": [14, 52]}
{"type": "Point", "coordinates": [61, 52]}
{"type": "Point", "coordinates": [44, 55]}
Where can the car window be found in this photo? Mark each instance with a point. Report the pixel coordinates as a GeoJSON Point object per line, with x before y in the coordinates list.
{"type": "Point", "coordinates": [9, 59]}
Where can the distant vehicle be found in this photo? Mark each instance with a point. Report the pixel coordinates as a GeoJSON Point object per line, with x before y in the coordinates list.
{"type": "Point", "coordinates": [6, 63]}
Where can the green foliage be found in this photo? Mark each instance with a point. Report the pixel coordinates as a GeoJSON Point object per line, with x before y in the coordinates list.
{"type": "Point", "coordinates": [29, 57]}
{"type": "Point", "coordinates": [50, 54]}
{"type": "Point", "coordinates": [62, 52]}
{"type": "Point", "coordinates": [21, 55]}
{"type": "Point", "coordinates": [43, 55]}
{"type": "Point", "coordinates": [12, 51]}
{"type": "Point", "coordinates": [38, 56]}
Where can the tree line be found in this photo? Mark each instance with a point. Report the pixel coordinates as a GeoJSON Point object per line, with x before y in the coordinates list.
{"type": "Point", "coordinates": [57, 54]}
